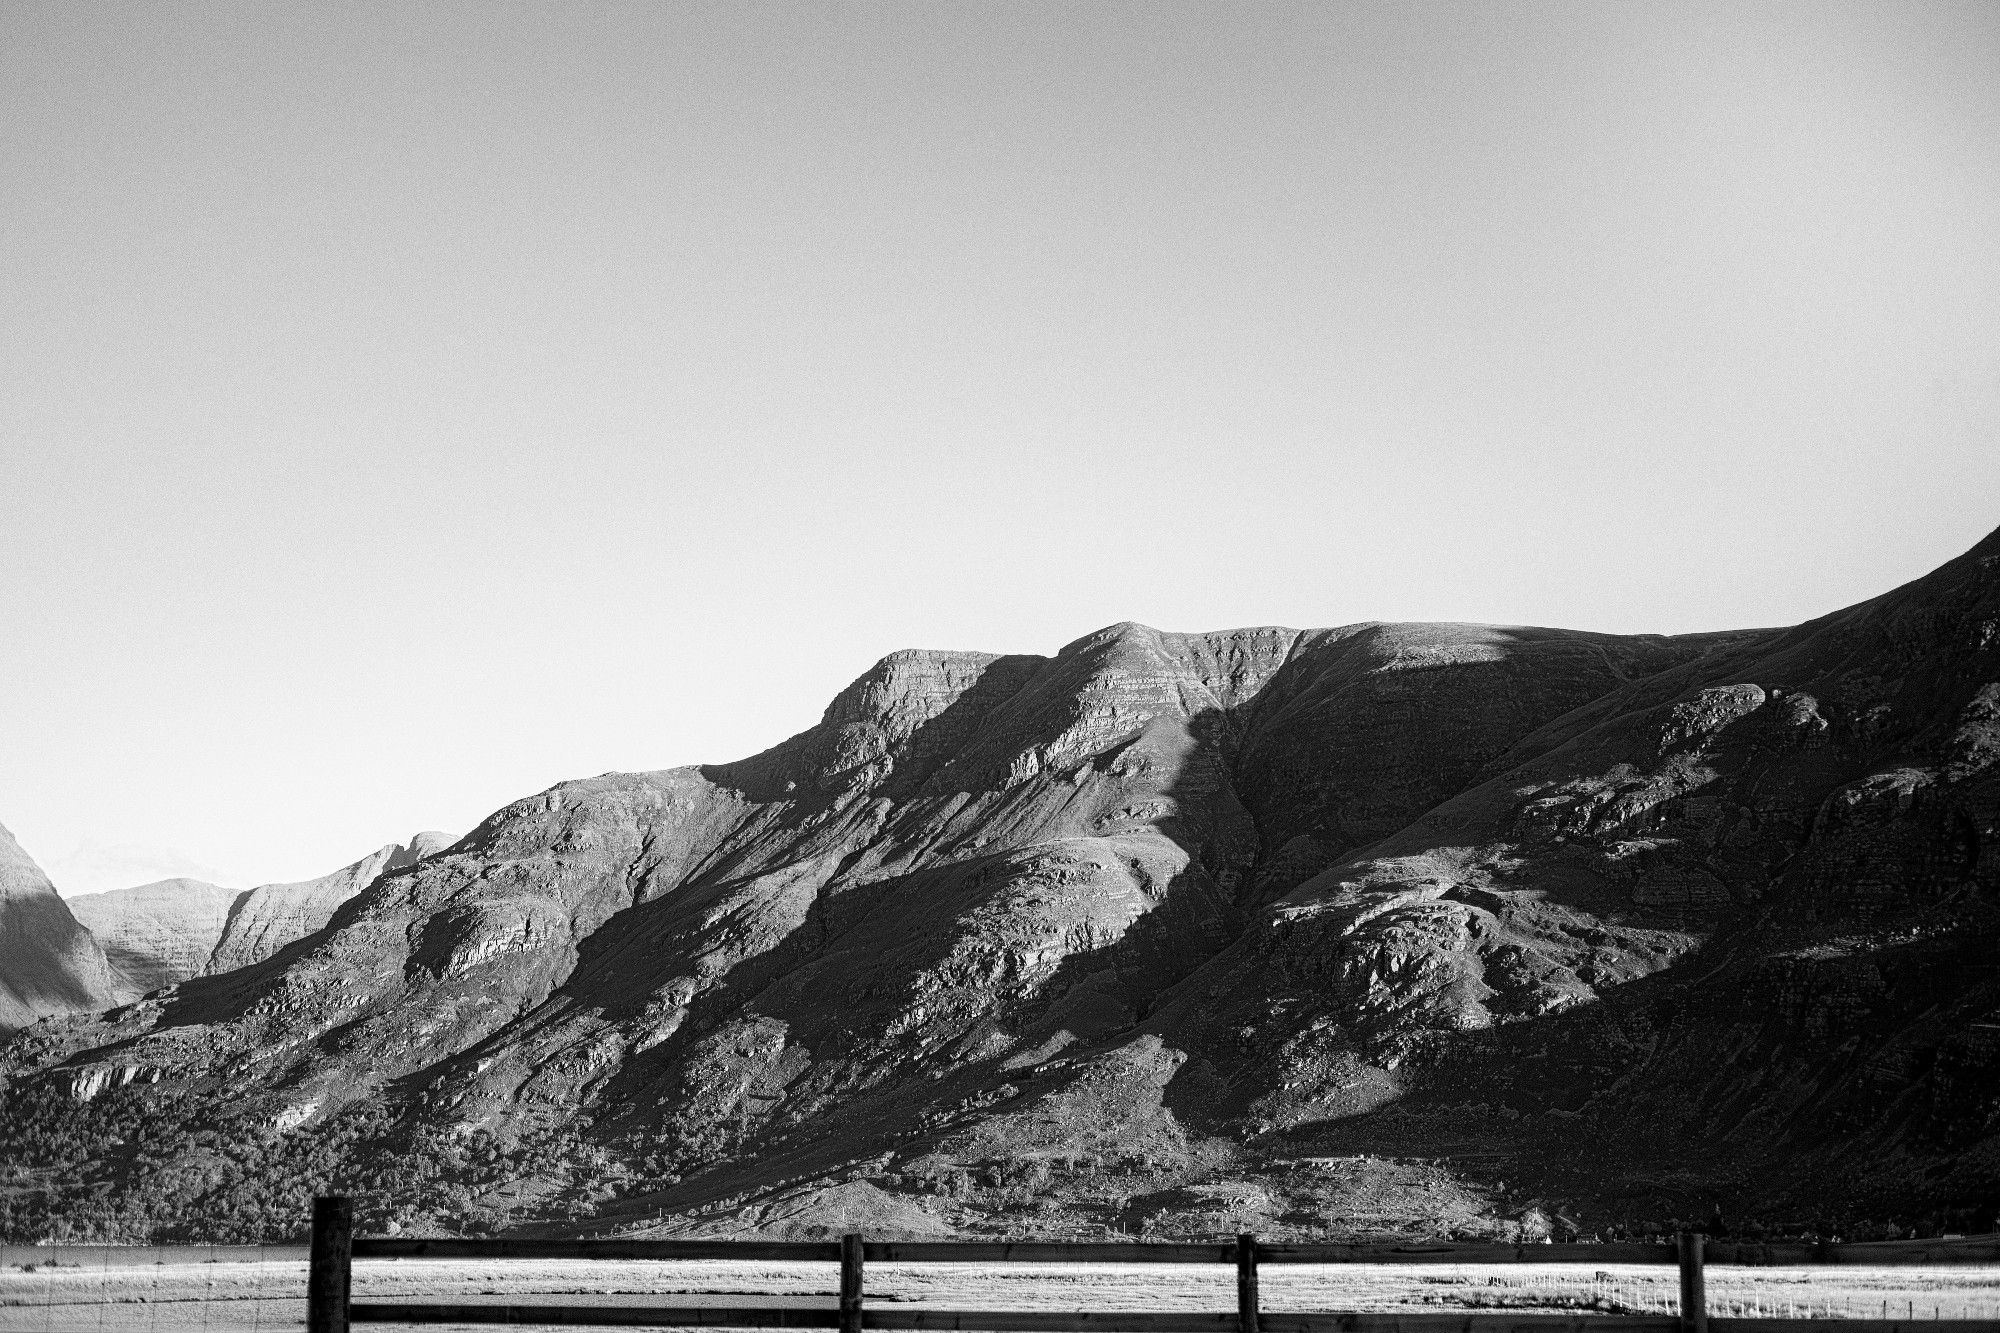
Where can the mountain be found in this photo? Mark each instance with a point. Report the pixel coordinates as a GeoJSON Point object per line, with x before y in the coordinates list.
{"type": "Point", "coordinates": [1439, 929]}
{"type": "Point", "coordinates": [158, 934]}
{"type": "Point", "coordinates": [48, 963]}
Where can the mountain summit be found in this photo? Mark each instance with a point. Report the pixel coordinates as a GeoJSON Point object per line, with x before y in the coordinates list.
{"type": "Point", "coordinates": [1428, 928]}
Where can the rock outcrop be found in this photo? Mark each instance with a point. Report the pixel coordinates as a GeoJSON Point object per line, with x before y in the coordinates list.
{"type": "Point", "coordinates": [49, 964]}
{"type": "Point", "coordinates": [1319, 930]}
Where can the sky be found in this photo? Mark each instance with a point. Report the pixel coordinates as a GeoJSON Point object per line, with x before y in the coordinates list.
{"type": "Point", "coordinates": [408, 407]}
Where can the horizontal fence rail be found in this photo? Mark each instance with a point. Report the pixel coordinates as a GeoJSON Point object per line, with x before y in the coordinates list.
{"type": "Point", "coordinates": [330, 1308]}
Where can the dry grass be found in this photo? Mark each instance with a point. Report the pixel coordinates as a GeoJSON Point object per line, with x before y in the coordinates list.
{"type": "Point", "coordinates": [198, 1289]}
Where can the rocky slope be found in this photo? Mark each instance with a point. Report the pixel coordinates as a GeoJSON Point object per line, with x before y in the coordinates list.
{"type": "Point", "coordinates": [1442, 927]}
{"type": "Point", "coordinates": [158, 934]}
{"type": "Point", "coordinates": [48, 963]}
{"type": "Point", "coordinates": [271, 916]}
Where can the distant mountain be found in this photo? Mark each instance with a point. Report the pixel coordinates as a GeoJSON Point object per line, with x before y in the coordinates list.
{"type": "Point", "coordinates": [1430, 929]}
{"type": "Point", "coordinates": [49, 964]}
{"type": "Point", "coordinates": [158, 934]}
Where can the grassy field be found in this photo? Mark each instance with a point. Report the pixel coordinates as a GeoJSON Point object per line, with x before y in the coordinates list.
{"type": "Point", "coordinates": [200, 1289]}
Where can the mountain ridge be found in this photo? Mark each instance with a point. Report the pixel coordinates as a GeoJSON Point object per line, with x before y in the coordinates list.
{"type": "Point", "coordinates": [1117, 937]}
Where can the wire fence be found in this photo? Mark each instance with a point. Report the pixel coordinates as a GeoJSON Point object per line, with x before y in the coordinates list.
{"type": "Point", "coordinates": [152, 1289]}
{"type": "Point", "coordinates": [262, 1289]}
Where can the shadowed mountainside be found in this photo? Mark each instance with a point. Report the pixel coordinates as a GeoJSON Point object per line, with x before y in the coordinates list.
{"type": "Point", "coordinates": [1321, 931]}
{"type": "Point", "coordinates": [49, 964]}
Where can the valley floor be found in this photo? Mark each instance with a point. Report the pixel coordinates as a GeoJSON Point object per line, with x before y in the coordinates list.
{"type": "Point", "coordinates": [234, 1289]}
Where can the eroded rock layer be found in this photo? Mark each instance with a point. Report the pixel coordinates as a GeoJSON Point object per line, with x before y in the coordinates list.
{"type": "Point", "coordinates": [160, 933]}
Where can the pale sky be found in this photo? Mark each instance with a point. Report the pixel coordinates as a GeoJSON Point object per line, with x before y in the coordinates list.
{"type": "Point", "coordinates": [409, 406]}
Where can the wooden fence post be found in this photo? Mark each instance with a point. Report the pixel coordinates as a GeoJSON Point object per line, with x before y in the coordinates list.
{"type": "Point", "coordinates": [1246, 1283]}
{"type": "Point", "coordinates": [328, 1280]}
{"type": "Point", "coordinates": [1694, 1293]}
{"type": "Point", "coordinates": [850, 1282]}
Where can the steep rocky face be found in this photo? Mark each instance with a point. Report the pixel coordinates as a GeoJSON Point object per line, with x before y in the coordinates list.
{"type": "Point", "coordinates": [1109, 937]}
{"type": "Point", "coordinates": [160, 934]}
{"type": "Point", "coordinates": [49, 964]}
{"type": "Point", "coordinates": [157, 934]}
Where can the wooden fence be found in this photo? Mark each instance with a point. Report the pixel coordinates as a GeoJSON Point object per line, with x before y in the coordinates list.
{"type": "Point", "coordinates": [334, 1247]}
